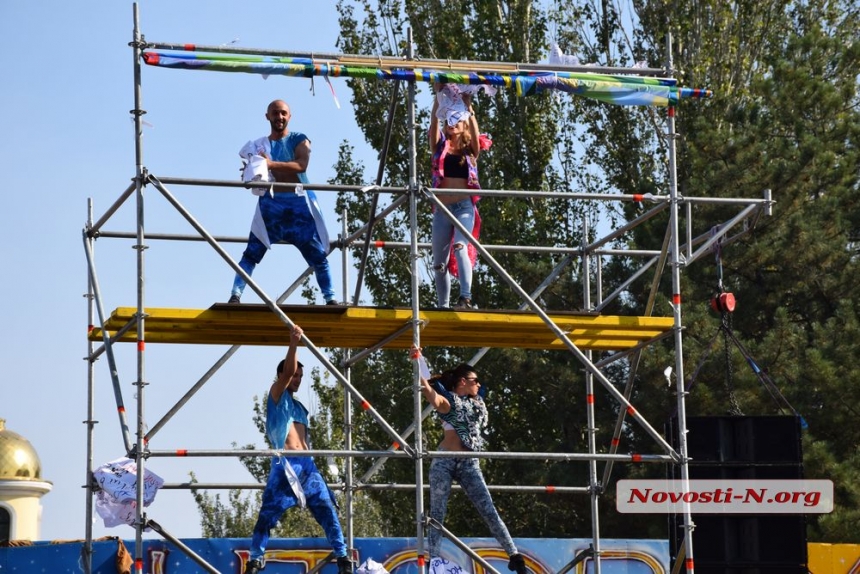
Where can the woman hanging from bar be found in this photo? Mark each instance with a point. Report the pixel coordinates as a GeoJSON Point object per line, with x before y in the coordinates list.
{"type": "Point", "coordinates": [455, 148]}
{"type": "Point", "coordinates": [458, 398]}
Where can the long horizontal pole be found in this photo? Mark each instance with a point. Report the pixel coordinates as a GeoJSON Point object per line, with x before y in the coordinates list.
{"type": "Point", "coordinates": [397, 62]}
{"type": "Point", "coordinates": [563, 456]}
{"type": "Point", "coordinates": [380, 486]}
{"type": "Point", "coordinates": [279, 186]}
{"type": "Point", "coordinates": [621, 197]}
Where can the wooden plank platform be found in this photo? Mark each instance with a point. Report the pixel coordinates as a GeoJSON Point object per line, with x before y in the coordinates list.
{"type": "Point", "coordinates": [362, 327]}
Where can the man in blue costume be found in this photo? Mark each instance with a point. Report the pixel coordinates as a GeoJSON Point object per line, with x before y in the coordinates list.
{"type": "Point", "coordinates": [293, 481]}
{"type": "Point", "coordinates": [289, 216]}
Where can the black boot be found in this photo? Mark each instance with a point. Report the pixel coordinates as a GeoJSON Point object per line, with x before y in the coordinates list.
{"type": "Point", "coordinates": [254, 566]}
{"type": "Point", "coordinates": [344, 565]}
{"type": "Point", "coordinates": [517, 564]}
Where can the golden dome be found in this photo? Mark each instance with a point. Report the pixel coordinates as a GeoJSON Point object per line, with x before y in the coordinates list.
{"type": "Point", "coordinates": [18, 458]}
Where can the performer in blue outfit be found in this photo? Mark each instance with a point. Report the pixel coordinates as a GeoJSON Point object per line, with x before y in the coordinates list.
{"type": "Point", "coordinates": [288, 216]}
{"type": "Point", "coordinates": [293, 481]}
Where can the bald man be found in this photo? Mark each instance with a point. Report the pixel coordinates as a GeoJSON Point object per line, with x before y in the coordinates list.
{"type": "Point", "coordinates": [286, 216]}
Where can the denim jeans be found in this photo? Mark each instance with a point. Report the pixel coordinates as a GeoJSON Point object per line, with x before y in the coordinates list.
{"type": "Point", "coordinates": [443, 234]}
{"type": "Point", "coordinates": [467, 472]}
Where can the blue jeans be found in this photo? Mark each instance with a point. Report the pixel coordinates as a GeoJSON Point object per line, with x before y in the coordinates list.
{"type": "Point", "coordinates": [288, 219]}
{"type": "Point", "coordinates": [467, 472]}
{"type": "Point", "coordinates": [443, 233]}
{"type": "Point", "coordinates": [279, 496]}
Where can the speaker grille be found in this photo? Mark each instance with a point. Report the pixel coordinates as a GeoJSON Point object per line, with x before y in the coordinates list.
{"type": "Point", "coordinates": [742, 447]}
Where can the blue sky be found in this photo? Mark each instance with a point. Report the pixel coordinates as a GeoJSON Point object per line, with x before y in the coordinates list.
{"type": "Point", "coordinates": [67, 136]}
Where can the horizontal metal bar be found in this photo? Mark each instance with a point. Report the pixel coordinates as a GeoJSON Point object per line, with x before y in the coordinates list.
{"type": "Point", "coordinates": [388, 244]}
{"type": "Point", "coordinates": [171, 237]}
{"type": "Point", "coordinates": [377, 486]}
{"type": "Point", "coordinates": [563, 456]}
{"type": "Point", "coordinates": [551, 194]}
{"type": "Point", "coordinates": [503, 248]}
{"type": "Point", "coordinates": [725, 200]}
{"type": "Point", "coordinates": [282, 187]}
{"type": "Point", "coordinates": [183, 453]}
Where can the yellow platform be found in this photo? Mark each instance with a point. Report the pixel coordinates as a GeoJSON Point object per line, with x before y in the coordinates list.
{"type": "Point", "coordinates": [362, 327]}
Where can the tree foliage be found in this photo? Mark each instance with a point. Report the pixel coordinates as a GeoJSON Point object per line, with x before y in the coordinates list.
{"type": "Point", "coordinates": [784, 117]}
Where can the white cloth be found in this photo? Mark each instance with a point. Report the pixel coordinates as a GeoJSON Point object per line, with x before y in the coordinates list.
{"type": "Point", "coordinates": [256, 170]}
{"type": "Point", "coordinates": [116, 500]}
{"type": "Point", "coordinates": [371, 566]}
{"type": "Point", "coordinates": [444, 566]}
{"type": "Point", "coordinates": [254, 165]}
{"type": "Point", "coordinates": [316, 212]}
{"type": "Point", "coordinates": [556, 56]}
{"type": "Point", "coordinates": [258, 228]}
{"type": "Point", "coordinates": [452, 108]}
{"type": "Point", "coordinates": [423, 368]}
{"type": "Point", "coordinates": [295, 484]}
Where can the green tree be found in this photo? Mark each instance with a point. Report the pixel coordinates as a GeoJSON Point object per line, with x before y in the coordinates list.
{"type": "Point", "coordinates": [785, 117]}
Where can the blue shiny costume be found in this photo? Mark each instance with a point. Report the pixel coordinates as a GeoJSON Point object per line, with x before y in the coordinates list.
{"type": "Point", "coordinates": [279, 496]}
{"type": "Point", "coordinates": [288, 218]}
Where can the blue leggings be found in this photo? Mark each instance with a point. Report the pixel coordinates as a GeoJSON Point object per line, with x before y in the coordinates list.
{"type": "Point", "coordinates": [279, 496]}
{"type": "Point", "coordinates": [467, 472]}
{"type": "Point", "coordinates": [288, 219]}
{"type": "Point", "coordinates": [443, 233]}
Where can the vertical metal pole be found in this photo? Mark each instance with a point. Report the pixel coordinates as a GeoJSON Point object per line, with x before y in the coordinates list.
{"type": "Point", "coordinates": [344, 257]}
{"type": "Point", "coordinates": [140, 247]}
{"type": "Point", "coordinates": [671, 136]}
{"type": "Point", "coordinates": [87, 557]}
{"type": "Point", "coordinates": [348, 470]}
{"type": "Point", "coordinates": [599, 287]}
{"type": "Point", "coordinates": [416, 335]}
{"type": "Point", "coordinates": [593, 485]}
{"type": "Point", "coordinates": [347, 408]}
{"type": "Point", "coordinates": [689, 230]}
{"type": "Point", "coordinates": [374, 201]}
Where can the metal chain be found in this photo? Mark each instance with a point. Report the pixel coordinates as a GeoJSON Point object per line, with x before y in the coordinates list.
{"type": "Point", "coordinates": [734, 406]}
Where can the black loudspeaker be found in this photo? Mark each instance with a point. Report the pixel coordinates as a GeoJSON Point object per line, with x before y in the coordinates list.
{"type": "Point", "coordinates": [742, 447]}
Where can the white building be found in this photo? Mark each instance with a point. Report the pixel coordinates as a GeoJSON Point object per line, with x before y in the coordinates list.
{"type": "Point", "coordinates": [21, 487]}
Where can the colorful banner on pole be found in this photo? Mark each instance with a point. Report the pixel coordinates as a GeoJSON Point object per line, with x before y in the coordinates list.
{"type": "Point", "coordinates": [625, 90]}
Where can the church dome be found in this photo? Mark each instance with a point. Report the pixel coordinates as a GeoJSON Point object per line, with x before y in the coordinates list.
{"type": "Point", "coordinates": [18, 458]}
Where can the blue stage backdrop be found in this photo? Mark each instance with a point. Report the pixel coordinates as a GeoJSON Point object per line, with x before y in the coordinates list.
{"type": "Point", "coordinates": [298, 555]}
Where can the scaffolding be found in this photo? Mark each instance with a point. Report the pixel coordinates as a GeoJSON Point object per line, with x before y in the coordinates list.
{"type": "Point", "coordinates": [363, 330]}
